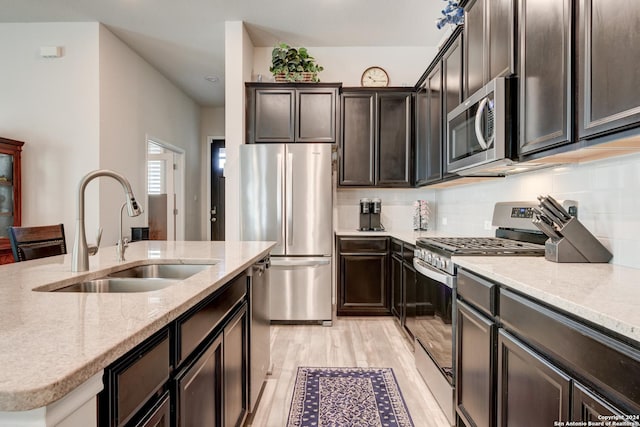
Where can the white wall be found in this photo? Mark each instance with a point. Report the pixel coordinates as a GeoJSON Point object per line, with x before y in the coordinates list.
{"type": "Point", "coordinates": [238, 66]}
{"type": "Point", "coordinates": [211, 124]}
{"type": "Point", "coordinates": [52, 105]}
{"type": "Point", "coordinates": [89, 109]}
{"type": "Point", "coordinates": [607, 192]}
{"type": "Point", "coordinates": [137, 102]}
{"type": "Point", "coordinates": [404, 65]}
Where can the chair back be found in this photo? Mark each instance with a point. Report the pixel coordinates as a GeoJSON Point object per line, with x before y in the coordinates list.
{"type": "Point", "coordinates": [37, 242]}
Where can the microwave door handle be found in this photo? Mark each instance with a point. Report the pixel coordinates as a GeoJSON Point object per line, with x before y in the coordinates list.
{"type": "Point", "coordinates": [479, 135]}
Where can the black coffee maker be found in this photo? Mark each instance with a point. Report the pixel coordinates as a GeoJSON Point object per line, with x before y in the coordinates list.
{"type": "Point", "coordinates": [370, 210]}
{"type": "Point", "coordinates": [365, 215]}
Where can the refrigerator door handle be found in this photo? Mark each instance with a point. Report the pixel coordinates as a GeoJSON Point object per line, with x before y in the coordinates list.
{"type": "Point", "coordinates": [300, 262]}
{"type": "Point", "coordinates": [280, 199]}
{"type": "Point", "coordinates": [289, 197]}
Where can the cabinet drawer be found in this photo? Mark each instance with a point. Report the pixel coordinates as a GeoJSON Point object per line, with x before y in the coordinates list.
{"type": "Point", "coordinates": [360, 245]}
{"type": "Point", "coordinates": [610, 365]}
{"type": "Point", "coordinates": [199, 323]}
{"type": "Point", "coordinates": [478, 292]}
{"type": "Point", "coordinates": [396, 248]}
{"type": "Point", "coordinates": [139, 376]}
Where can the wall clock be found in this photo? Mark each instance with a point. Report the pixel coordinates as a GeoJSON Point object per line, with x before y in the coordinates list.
{"type": "Point", "coordinates": [375, 76]}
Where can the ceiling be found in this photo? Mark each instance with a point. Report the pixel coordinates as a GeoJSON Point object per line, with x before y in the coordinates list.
{"type": "Point", "coordinates": [184, 40]}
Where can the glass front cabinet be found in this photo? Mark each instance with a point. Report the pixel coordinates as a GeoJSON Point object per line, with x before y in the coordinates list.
{"type": "Point", "coordinates": [10, 193]}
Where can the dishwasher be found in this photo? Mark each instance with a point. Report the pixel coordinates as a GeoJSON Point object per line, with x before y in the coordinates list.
{"type": "Point", "coordinates": [259, 329]}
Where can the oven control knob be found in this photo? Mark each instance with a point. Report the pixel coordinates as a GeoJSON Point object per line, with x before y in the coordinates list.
{"type": "Point", "coordinates": [436, 261]}
{"type": "Point", "coordinates": [445, 264]}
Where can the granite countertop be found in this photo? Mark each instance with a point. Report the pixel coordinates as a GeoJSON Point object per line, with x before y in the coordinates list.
{"type": "Point", "coordinates": [54, 341]}
{"type": "Point", "coordinates": [604, 294]}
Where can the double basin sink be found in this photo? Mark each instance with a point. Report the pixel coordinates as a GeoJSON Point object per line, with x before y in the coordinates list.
{"type": "Point", "coordinates": [141, 278]}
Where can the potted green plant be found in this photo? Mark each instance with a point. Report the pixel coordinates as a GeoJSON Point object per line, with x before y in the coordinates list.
{"type": "Point", "coordinates": [289, 64]}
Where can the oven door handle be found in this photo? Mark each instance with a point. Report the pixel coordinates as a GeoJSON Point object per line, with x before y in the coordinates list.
{"type": "Point", "coordinates": [427, 270]}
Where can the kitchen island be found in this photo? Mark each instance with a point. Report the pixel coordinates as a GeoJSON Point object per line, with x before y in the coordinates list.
{"type": "Point", "coordinates": [55, 342]}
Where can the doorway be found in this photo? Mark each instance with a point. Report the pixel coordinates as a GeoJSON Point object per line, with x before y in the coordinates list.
{"type": "Point", "coordinates": [217, 184]}
{"type": "Point", "coordinates": [165, 182]}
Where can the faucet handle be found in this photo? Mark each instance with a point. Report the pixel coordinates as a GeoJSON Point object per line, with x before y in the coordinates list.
{"type": "Point", "coordinates": [93, 249]}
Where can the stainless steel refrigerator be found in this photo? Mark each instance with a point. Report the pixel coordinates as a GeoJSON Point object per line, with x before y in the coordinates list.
{"type": "Point", "coordinates": [286, 196]}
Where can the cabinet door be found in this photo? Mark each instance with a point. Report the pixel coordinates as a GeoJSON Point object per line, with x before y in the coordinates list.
{"type": "Point", "coordinates": [408, 282]}
{"type": "Point", "coordinates": [545, 74]}
{"type": "Point", "coordinates": [199, 389]}
{"type": "Point", "coordinates": [587, 406]}
{"type": "Point", "coordinates": [451, 96]}
{"type": "Point", "coordinates": [159, 415]}
{"type": "Point", "coordinates": [235, 369]}
{"type": "Point", "coordinates": [475, 371]}
{"type": "Point", "coordinates": [500, 34]}
{"type": "Point", "coordinates": [357, 139]}
{"type": "Point", "coordinates": [316, 115]}
{"type": "Point", "coordinates": [531, 392]}
{"type": "Point", "coordinates": [474, 45]}
{"type": "Point", "coordinates": [435, 140]}
{"type": "Point", "coordinates": [396, 288]}
{"type": "Point", "coordinates": [609, 76]}
{"type": "Point", "coordinates": [394, 140]}
{"type": "Point", "coordinates": [274, 115]}
{"type": "Point", "coordinates": [421, 112]}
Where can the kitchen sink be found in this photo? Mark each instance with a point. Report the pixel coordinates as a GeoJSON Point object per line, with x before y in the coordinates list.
{"type": "Point", "coordinates": [162, 271]}
{"type": "Point", "coordinates": [112, 284]}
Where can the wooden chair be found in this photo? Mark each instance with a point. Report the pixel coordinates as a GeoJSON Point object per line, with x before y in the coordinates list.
{"type": "Point", "coordinates": [37, 242]}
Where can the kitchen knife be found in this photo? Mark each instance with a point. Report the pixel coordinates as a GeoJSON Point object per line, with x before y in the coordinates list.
{"type": "Point", "coordinates": [544, 202]}
{"type": "Point", "coordinates": [551, 216]}
{"type": "Point", "coordinates": [546, 229]}
{"type": "Point", "coordinates": [559, 207]}
{"type": "Point", "coordinates": [543, 217]}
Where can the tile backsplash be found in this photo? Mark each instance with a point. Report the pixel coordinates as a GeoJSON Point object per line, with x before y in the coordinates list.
{"type": "Point", "coordinates": [607, 192]}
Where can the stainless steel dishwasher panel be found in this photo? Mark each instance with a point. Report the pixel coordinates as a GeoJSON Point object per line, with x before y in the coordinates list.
{"type": "Point", "coordinates": [301, 289]}
{"type": "Point", "coordinates": [259, 330]}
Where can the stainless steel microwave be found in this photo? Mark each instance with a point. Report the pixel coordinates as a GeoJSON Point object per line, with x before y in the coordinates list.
{"type": "Point", "coordinates": [481, 134]}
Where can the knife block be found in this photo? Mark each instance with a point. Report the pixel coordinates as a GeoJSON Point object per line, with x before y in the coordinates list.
{"type": "Point", "coordinates": [576, 245]}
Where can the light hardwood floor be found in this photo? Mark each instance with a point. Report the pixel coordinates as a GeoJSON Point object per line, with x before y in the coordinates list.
{"type": "Point", "coordinates": [350, 342]}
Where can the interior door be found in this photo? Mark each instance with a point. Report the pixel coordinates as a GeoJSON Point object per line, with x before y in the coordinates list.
{"type": "Point", "coordinates": [217, 211]}
{"type": "Point", "coordinates": [308, 216]}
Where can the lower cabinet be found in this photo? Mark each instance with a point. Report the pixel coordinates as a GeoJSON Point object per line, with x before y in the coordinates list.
{"type": "Point", "coordinates": [235, 380]}
{"type": "Point", "coordinates": [198, 389]}
{"type": "Point", "coordinates": [363, 270]}
{"type": "Point", "coordinates": [522, 363]}
{"type": "Point", "coordinates": [194, 372]}
{"type": "Point", "coordinates": [531, 391]}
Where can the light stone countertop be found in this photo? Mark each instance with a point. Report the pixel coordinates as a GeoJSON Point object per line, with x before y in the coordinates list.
{"type": "Point", "coordinates": [605, 294]}
{"type": "Point", "coordinates": [51, 342]}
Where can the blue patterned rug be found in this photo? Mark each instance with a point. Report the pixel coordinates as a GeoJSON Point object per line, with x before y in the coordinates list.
{"type": "Point", "coordinates": [347, 397]}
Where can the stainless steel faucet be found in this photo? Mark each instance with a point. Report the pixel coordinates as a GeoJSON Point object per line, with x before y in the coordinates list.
{"type": "Point", "coordinates": [80, 254]}
{"type": "Point", "coordinates": [123, 242]}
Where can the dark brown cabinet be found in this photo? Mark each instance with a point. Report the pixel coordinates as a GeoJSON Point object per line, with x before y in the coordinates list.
{"type": "Point", "coordinates": [588, 406]}
{"type": "Point", "coordinates": [159, 416]}
{"type": "Point", "coordinates": [531, 391]}
{"type": "Point", "coordinates": [608, 72]}
{"type": "Point", "coordinates": [10, 193]}
{"type": "Point", "coordinates": [199, 389]}
{"type": "Point", "coordinates": [363, 282]}
{"type": "Point", "coordinates": [440, 93]}
{"type": "Point", "coordinates": [489, 42]}
{"type": "Point", "coordinates": [376, 137]}
{"type": "Point", "coordinates": [397, 291]}
{"type": "Point", "coordinates": [475, 347]}
{"type": "Point", "coordinates": [292, 112]}
{"type": "Point", "coordinates": [545, 74]}
{"type": "Point", "coordinates": [235, 370]}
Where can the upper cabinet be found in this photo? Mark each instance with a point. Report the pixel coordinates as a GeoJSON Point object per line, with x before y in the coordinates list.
{"type": "Point", "coordinates": [608, 72]}
{"type": "Point", "coordinates": [376, 138]}
{"type": "Point", "coordinates": [297, 112]}
{"type": "Point", "coordinates": [489, 42]}
{"type": "Point", "coordinates": [545, 78]}
{"type": "Point", "coordinates": [440, 92]}
{"type": "Point", "coordinates": [10, 193]}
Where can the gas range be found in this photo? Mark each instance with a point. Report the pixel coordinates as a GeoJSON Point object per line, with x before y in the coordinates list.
{"type": "Point", "coordinates": [516, 235]}
{"type": "Point", "coordinates": [437, 251]}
